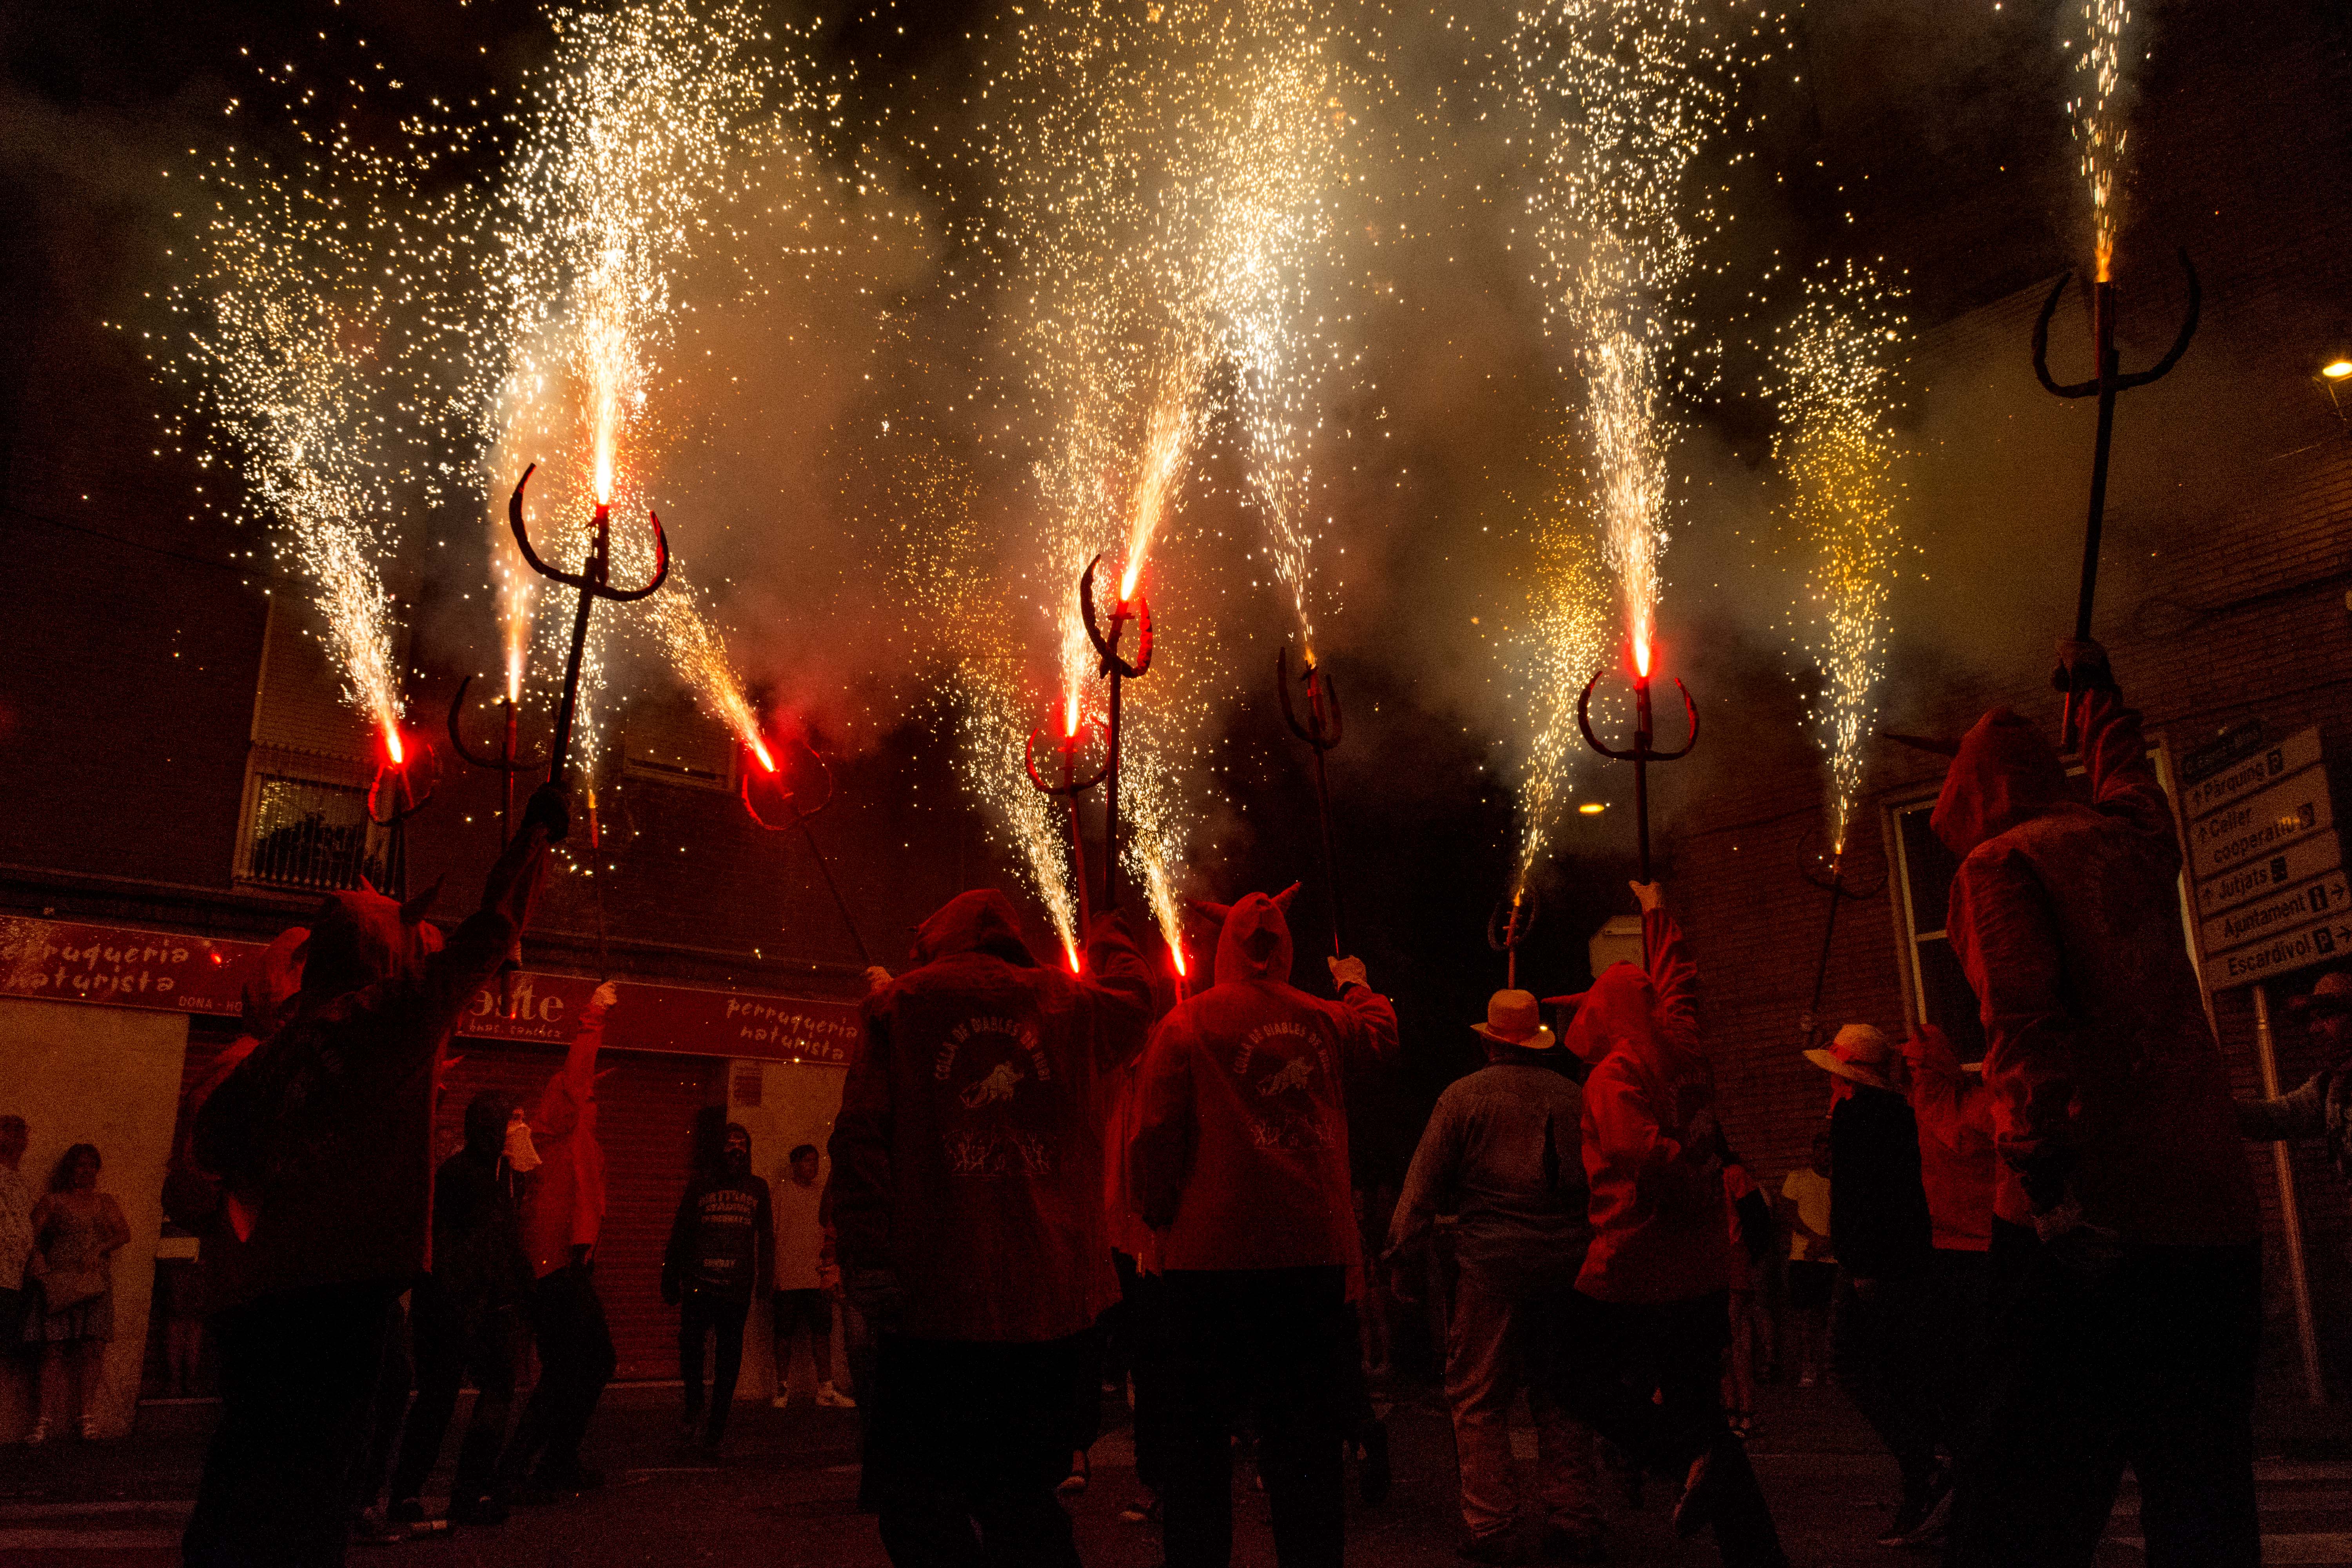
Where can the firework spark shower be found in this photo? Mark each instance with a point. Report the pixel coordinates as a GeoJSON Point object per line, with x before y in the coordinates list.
{"type": "Point", "coordinates": [2098, 111]}
{"type": "Point", "coordinates": [650, 145]}
{"type": "Point", "coordinates": [1837, 365]}
{"type": "Point", "coordinates": [1619, 98]}
{"type": "Point", "coordinates": [308, 347]}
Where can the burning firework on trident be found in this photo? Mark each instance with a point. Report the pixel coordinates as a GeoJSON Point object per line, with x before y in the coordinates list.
{"type": "Point", "coordinates": [594, 580]}
{"type": "Point", "coordinates": [508, 761]}
{"type": "Point", "coordinates": [1643, 750]}
{"type": "Point", "coordinates": [1067, 746]}
{"type": "Point", "coordinates": [1322, 732]}
{"type": "Point", "coordinates": [2108, 380]}
{"type": "Point", "coordinates": [801, 819]}
{"type": "Point", "coordinates": [402, 803]}
{"type": "Point", "coordinates": [1130, 607]}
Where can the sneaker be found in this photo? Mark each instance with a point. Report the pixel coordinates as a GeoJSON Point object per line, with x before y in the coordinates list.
{"type": "Point", "coordinates": [832, 1398]}
{"type": "Point", "coordinates": [36, 1434]}
{"type": "Point", "coordinates": [1082, 1470]}
{"type": "Point", "coordinates": [1373, 1480]}
{"type": "Point", "coordinates": [1144, 1509]}
{"type": "Point", "coordinates": [785, 1401]}
{"type": "Point", "coordinates": [1923, 1510]}
{"type": "Point", "coordinates": [89, 1428]}
{"type": "Point", "coordinates": [1495, 1546]}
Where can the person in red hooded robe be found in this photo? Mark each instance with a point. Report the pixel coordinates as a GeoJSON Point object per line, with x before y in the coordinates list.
{"type": "Point", "coordinates": [968, 1207]}
{"type": "Point", "coordinates": [1651, 1310]}
{"type": "Point", "coordinates": [1955, 1166]}
{"type": "Point", "coordinates": [563, 1220]}
{"type": "Point", "coordinates": [2125, 1252]}
{"type": "Point", "coordinates": [1239, 1160]}
{"type": "Point", "coordinates": [323, 1140]}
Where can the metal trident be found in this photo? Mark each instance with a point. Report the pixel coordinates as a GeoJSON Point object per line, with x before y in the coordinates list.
{"type": "Point", "coordinates": [1119, 670]}
{"type": "Point", "coordinates": [594, 580]}
{"type": "Point", "coordinates": [404, 804]}
{"type": "Point", "coordinates": [1835, 881]}
{"type": "Point", "coordinates": [2108, 380]}
{"type": "Point", "coordinates": [1641, 753]}
{"type": "Point", "coordinates": [507, 762]}
{"type": "Point", "coordinates": [800, 820]}
{"type": "Point", "coordinates": [1507, 929]}
{"type": "Point", "coordinates": [1069, 789]}
{"type": "Point", "coordinates": [1322, 732]}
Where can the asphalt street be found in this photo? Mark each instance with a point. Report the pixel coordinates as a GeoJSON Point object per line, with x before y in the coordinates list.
{"type": "Point", "coordinates": [782, 1495]}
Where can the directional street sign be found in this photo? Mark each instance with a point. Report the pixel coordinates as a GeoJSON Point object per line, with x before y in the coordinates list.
{"type": "Point", "coordinates": [2291, 755]}
{"type": "Point", "coordinates": [2264, 874]}
{"type": "Point", "coordinates": [2260, 824]}
{"type": "Point", "coordinates": [2318, 943]}
{"type": "Point", "coordinates": [2268, 868]}
{"type": "Point", "coordinates": [2323, 898]}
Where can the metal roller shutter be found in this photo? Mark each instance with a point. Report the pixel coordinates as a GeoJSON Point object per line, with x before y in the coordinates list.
{"type": "Point", "coordinates": [645, 1103]}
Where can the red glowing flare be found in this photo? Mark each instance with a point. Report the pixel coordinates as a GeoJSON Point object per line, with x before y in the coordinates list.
{"type": "Point", "coordinates": [392, 747]}
{"type": "Point", "coordinates": [1070, 952]}
{"type": "Point", "coordinates": [1177, 954]}
{"type": "Point", "coordinates": [1642, 658]}
{"type": "Point", "coordinates": [1070, 718]}
{"type": "Point", "coordinates": [760, 750]}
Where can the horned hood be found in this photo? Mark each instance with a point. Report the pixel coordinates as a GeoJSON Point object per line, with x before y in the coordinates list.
{"type": "Point", "coordinates": [361, 937]}
{"type": "Point", "coordinates": [2004, 773]}
{"type": "Point", "coordinates": [981, 921]}
{"type": "Point", "coordinates": [1255, 942]}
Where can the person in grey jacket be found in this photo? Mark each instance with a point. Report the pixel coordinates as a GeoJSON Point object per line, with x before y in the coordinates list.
{"type": "Point", "coordinates": [1503, 1153]}
{"type": "Point", "coordinates": [2321, 1106]}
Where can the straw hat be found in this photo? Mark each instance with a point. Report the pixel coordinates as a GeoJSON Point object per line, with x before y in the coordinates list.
{"type": "Point", "coordinates": [1859, 1052]}
{"type": "Point", "coordinates": [1513, 1018]}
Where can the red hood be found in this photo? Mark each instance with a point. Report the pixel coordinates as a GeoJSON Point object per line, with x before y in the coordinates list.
{"type": "Point", "coordinates": [983, 920]}
{"type": "Point", "coordinates": [1256, 943]}
{"type": "Point", "coordinates": [1618, 1008]}
{"type": "Point", "coordinates": [2005, 773]}
{"type": "Point", "coordinates": [361, 937]}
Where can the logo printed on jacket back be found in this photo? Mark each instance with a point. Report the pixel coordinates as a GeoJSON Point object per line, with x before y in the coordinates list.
{"type": "Point", "coordinates": [1280, 1068]}
{"type": "Point", "coordinates": [991, 1118]}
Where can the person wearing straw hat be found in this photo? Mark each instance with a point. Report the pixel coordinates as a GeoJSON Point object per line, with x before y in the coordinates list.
{"type": "Point", "coordinates": [1879, 1306]}
{"type": "Point", "coordinates": [1503, 1153]}
{"type": "Point", "coordinates": [2127, 1253]}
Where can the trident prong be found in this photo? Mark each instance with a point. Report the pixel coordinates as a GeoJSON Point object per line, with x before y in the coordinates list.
{"type": "Point", "coordinates": [593, 582]}
{"type": "Point", "coordinates": [808, 836]}
{"type": "Point", "coordinates": [1835, 884]}
{"type": "Point", "coordinates": [1116, 666]}
{"type": "Point", "coordinates": [1069, 789]}
{"type": "Point", "coordinates": [1641, 753]}
{"type": "Point", "coordinates": [407, 792]}
{"type": "Point", "coordinates": [498, 765]}
{"type": "Point", "coordinates": [1324, 726]}
{"type": "Point", "coordinates": [407, 804]}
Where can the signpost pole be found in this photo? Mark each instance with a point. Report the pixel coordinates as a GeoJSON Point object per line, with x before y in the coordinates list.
{"type": "Point", "coordinates": [2307, 1330]}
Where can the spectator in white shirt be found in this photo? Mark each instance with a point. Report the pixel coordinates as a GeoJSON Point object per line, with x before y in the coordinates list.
{"type": "Point", "coordinates": [802, 1300]}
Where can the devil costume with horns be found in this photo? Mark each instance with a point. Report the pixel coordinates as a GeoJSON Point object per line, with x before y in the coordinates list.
{"type": "Point", "coordinates": [322, 1139]}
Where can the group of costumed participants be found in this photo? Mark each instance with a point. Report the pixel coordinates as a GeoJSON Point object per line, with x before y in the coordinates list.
{"type": "Point", "coordinates": [1019, 1148]}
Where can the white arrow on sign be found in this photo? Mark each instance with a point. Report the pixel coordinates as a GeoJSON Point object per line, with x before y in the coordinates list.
{"type": "Point", "coordinates": [2260, 824]}
{"type": "Point", "coordinates": [2291, 755]}
{"type": "Point", "coordinates": [2298, 862]}
{"type": "Point", "coordinates": [2297, 906]}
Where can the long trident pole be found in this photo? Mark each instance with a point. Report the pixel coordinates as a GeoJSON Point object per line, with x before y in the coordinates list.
{"type": "Point", "coordinates": [1321, 732]}
{"type": "Point", "coordinates": [2107, 381]}
{"type": "Point", "coordinates": [1121, 671]}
